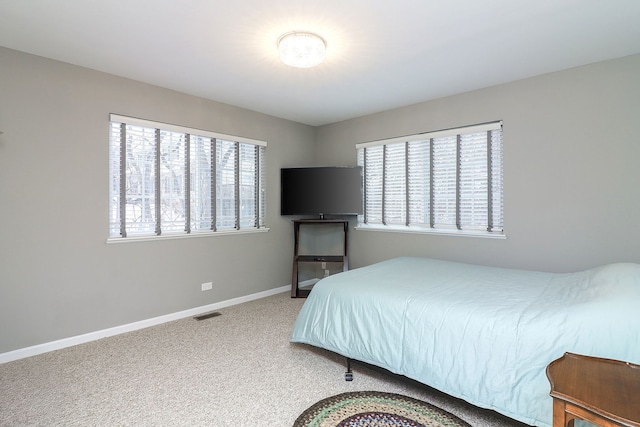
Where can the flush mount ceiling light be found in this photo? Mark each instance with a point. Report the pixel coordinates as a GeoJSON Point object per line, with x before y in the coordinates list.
{"type": "Point", "coordinates": [301, 50]}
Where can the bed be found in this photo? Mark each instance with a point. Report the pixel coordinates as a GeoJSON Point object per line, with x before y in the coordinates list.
{"type": "Point", "coordinates": [482, 334]}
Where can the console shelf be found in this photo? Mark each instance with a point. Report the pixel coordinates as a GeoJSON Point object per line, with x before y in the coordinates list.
{"type": "Point", "coordinates": [297, 258]}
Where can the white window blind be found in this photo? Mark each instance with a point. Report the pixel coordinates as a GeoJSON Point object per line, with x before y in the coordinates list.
{"type": "Point", "coordinates": [395, 197]}
{"type": "Point", "coordinates": [444, 180]}
{"type": "Point", "coordinates": [372, 162]}
{"type": "Point", "coordinates": [167, 179]}
{"type": "Point", "coordinates": [419, 181]}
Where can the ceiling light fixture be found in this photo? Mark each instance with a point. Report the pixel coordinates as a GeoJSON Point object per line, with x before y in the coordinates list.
{"type": "Point", "coordinates": [301, 50]}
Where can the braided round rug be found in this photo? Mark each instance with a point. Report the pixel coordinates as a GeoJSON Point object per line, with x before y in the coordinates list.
{"type": "Point", "coordinates": [376, 409]}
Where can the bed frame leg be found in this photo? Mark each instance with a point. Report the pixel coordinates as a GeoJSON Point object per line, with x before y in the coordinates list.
{"type": "Point", "coordinates": [348, 376]}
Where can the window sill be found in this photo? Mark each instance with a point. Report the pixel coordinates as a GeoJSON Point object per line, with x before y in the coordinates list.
{"type": "Point", "coordinates": [434, 231]}
{"type": "Point", "coordinates": [135, 238]}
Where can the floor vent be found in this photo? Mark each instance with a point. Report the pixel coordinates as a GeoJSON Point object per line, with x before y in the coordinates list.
{"type": "Point", "coordinates": [207, 315]}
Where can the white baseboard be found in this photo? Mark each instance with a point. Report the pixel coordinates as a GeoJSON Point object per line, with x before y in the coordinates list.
{"type": "Point", "coordinates": [92, 336]}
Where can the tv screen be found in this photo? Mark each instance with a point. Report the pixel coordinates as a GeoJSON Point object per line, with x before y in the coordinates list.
{"type": "Point", "coordinates": [321, 191]}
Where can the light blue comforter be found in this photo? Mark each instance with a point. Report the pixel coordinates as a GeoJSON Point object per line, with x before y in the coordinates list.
{"type": "Point", "coordinates": [482, 334]}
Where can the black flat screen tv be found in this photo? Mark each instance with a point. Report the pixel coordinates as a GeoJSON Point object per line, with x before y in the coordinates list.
{"type": "Point", "coordinates": [321, 191]}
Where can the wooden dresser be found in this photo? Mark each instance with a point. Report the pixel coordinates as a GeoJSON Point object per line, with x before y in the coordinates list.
{"type": "Point", "coordinates": [604, 392]}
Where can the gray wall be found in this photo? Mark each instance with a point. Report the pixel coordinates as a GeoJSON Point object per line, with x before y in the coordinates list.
{"type": "Point", "coordinates": [571, 196]}
{"type": "Point", "coordinates": [58, 276]}
{"type": "Point", "coordinates": [571, 173]}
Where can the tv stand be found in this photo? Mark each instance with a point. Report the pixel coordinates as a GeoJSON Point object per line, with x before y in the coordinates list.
{"type": "Point", "coordinates": [297, 258]}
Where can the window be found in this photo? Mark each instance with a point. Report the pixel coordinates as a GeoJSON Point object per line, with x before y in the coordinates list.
{"type": "Point", "coordinates": [171, 180]}
{"type": "Point", "coordinates": [444, 181]}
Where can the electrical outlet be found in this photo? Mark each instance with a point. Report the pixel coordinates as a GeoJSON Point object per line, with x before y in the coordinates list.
{"type": "Point", "coordinates": [207, 286]}
{"type": "Point", "coordinates": [326, 273]}
{"type": "Point", "coordinates": [324, 265]}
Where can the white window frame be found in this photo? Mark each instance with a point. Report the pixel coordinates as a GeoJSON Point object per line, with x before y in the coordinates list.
{"type": "Point", "coordinates": [215, 183]}
{"type": "Point", "coordinates": [447, 182]}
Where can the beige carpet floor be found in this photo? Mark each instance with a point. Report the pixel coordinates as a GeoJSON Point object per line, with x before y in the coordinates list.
{"type": "Point", "coordinates": [237, 369]}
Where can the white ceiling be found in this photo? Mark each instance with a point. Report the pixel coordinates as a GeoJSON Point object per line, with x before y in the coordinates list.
{"type": "Point", "coordinates": [381, 54]}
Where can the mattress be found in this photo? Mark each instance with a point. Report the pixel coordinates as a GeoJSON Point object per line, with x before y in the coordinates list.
{"type": "Point", "coordinates": [482, 334]}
